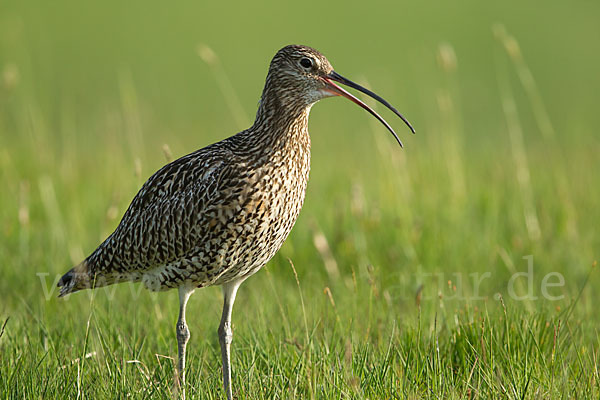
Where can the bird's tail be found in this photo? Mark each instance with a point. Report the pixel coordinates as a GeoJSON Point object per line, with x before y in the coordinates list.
{"type": "Point", "coordinates": [76, 279]}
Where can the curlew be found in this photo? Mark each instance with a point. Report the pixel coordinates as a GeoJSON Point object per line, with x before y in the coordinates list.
{"type": "Point", "coordinates": [217, 215]}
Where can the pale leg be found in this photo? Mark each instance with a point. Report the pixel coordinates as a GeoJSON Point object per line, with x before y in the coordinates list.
{"type": "Point", "coordinates": [225, 333]}
{"type": "Point", "coordinates": [183, 335]}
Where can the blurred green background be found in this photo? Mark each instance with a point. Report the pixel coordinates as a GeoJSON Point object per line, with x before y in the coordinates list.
{"type": "Point", "coordinates": [504, 165]}
{"type": "Point", "coordinates": [74, 55]}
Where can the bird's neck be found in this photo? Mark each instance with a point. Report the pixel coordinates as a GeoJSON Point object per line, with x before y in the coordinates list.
{"type": "Point", "coordinates": [281, 124]}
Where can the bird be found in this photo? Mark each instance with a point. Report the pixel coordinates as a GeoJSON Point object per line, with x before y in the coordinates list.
{"type": "Point", "coordinates": [218, 215]}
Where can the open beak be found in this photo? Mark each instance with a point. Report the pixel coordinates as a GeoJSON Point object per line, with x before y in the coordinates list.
{"type": "Point", "coordinates": [333, 88]}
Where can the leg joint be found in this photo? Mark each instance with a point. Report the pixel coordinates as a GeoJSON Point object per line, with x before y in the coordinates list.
{"type": "Point", "coordinates": [182, 330]}
{"type": "Point", "coordinates": [225, 333]}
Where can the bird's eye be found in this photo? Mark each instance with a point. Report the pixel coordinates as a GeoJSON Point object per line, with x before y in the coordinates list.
{"type": "Point", "coordinates": [306, 63]}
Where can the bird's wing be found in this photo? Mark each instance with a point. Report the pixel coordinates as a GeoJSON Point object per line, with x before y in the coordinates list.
{"type": "Point", "coordinates": [170, 213]}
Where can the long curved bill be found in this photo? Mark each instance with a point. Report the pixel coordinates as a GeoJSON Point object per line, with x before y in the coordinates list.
{"type": "Point", "coordinates": [334, 76]}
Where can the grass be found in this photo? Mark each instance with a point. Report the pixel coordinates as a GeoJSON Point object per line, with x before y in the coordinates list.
{"type": "Point", "coordinates": [461, 267]}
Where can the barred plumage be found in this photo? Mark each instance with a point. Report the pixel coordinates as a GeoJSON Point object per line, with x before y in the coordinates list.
{"type": "Point", "coordinates": [216, 216]}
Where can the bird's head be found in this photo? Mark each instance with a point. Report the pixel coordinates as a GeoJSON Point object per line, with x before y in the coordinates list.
{"type": "Point", "coordinates": [299, 76]}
